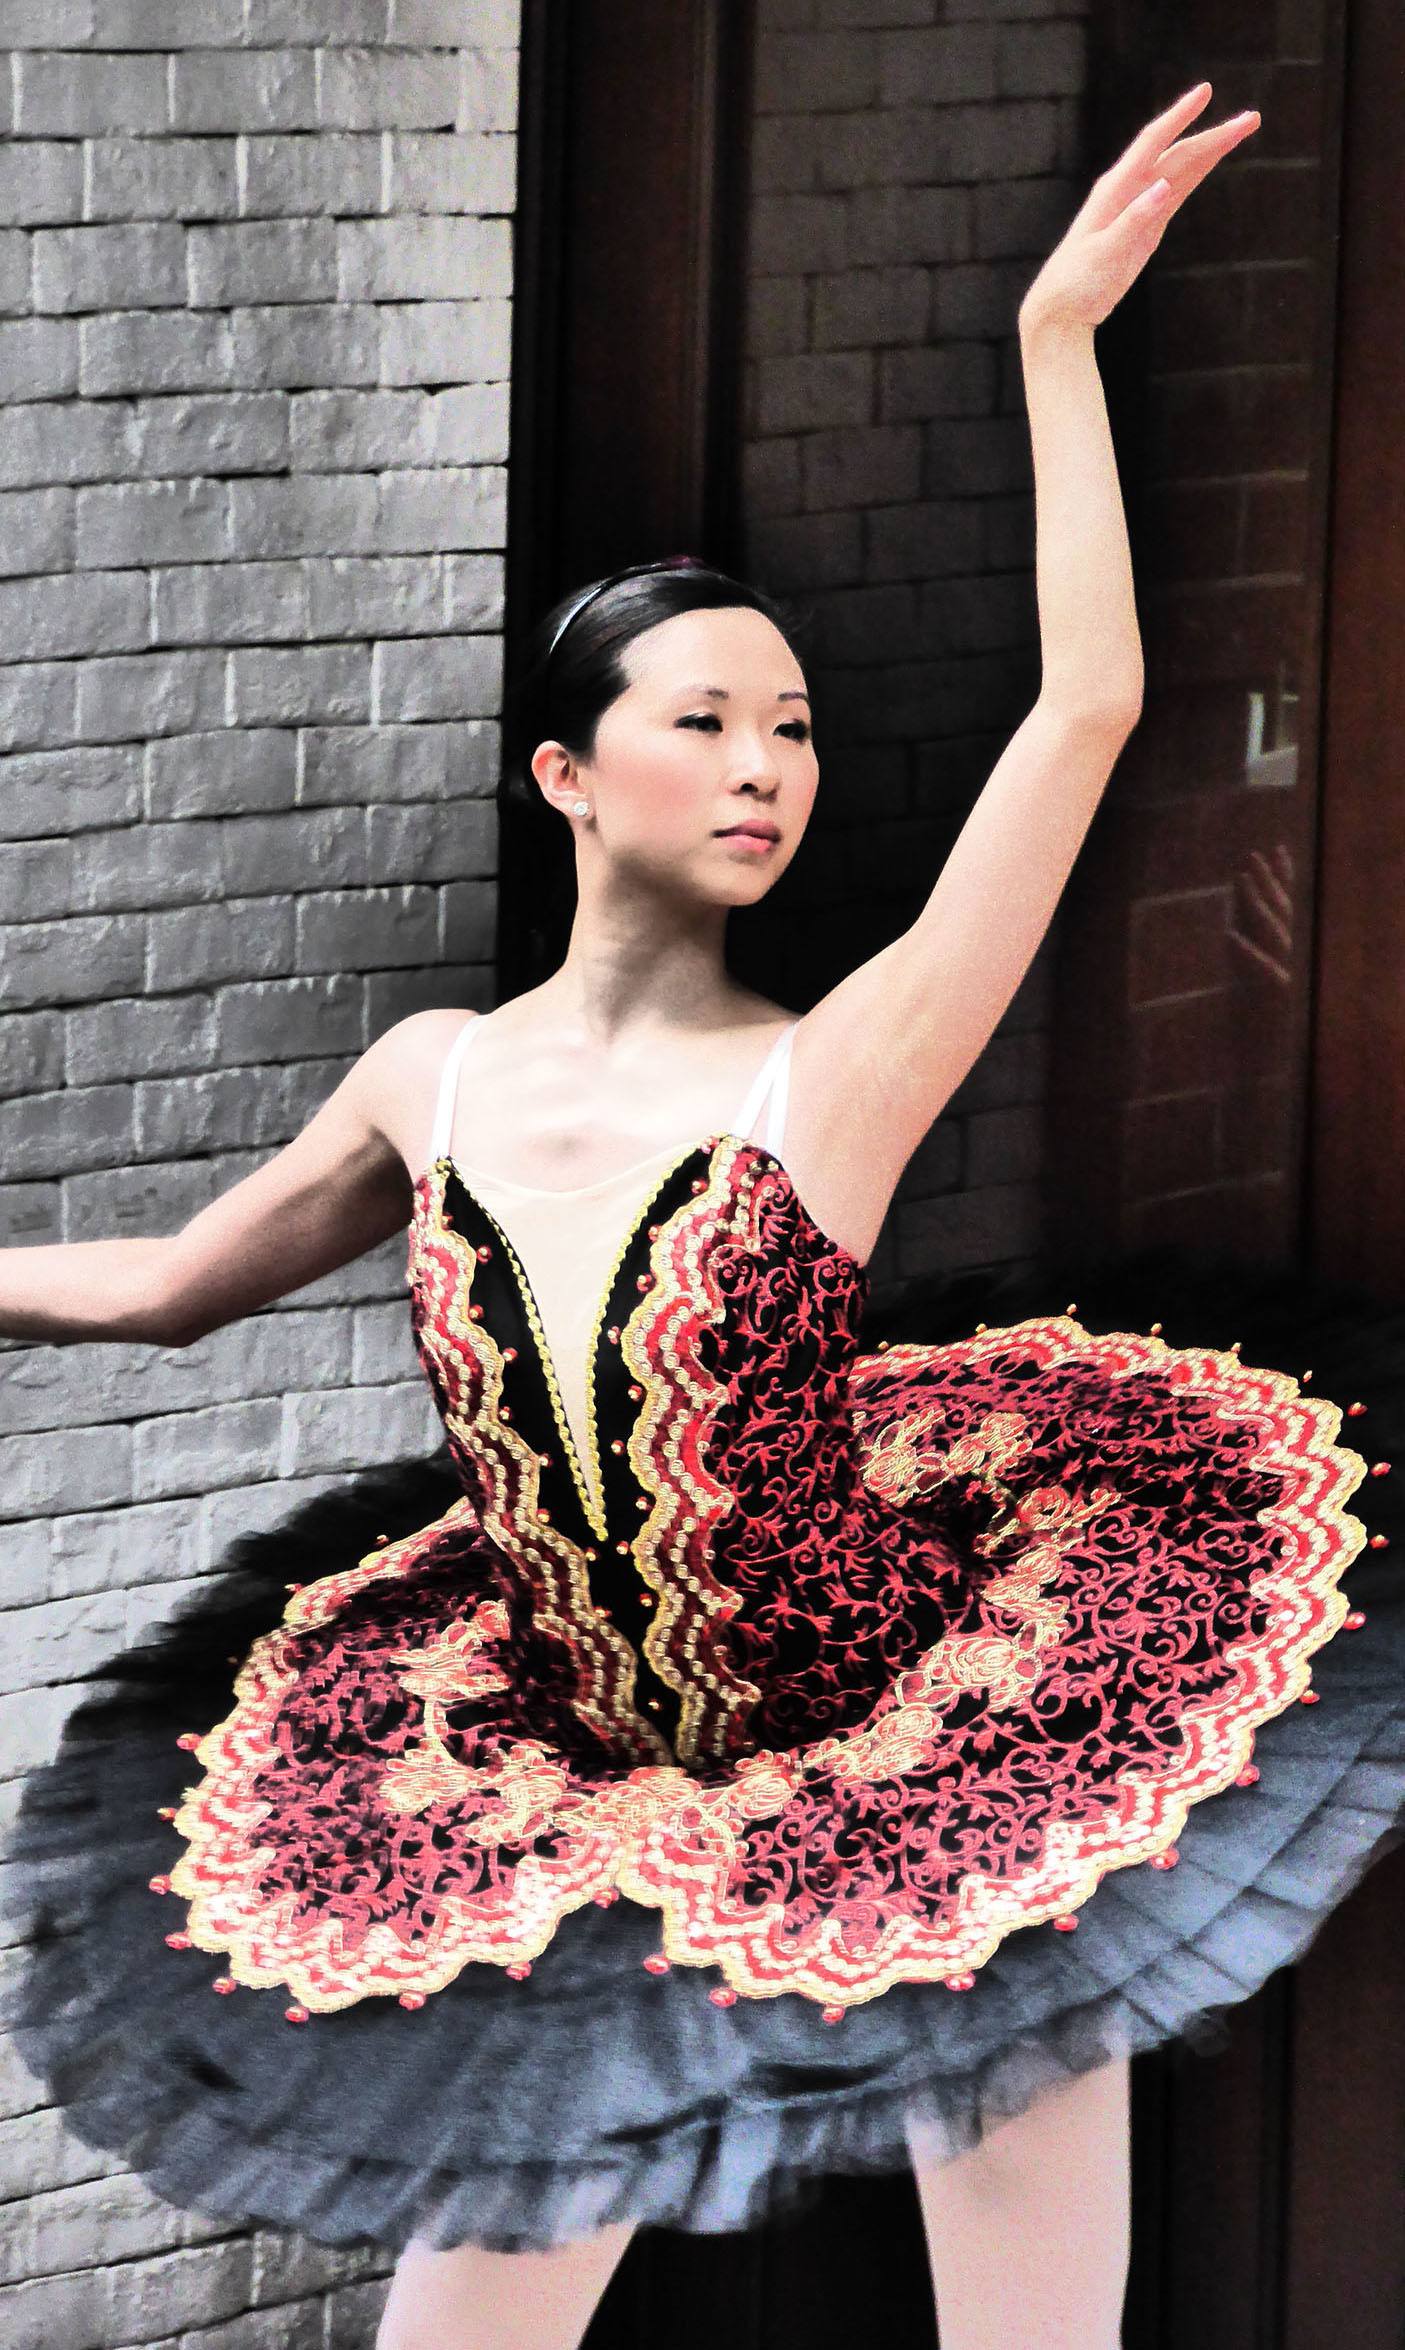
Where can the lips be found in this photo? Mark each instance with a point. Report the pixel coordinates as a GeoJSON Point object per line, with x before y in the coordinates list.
{"type": "Point", "coordinates": [759, 828]}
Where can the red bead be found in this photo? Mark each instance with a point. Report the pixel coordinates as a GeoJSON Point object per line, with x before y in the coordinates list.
{"type": "Point", "coordinates": [960, 1982]}
{"type": "Point", "coordinates": [519, 1969]}
{"type": "Point", "coordinates": [723, 1996]}
{"type": "Point", "coordinates": [617, 1444]}
{"type": "Point", "coordinates": [482, 1252]}
{"type": "Point", "coordinates": [168, 1810]}
{"type": "Point", "coordinates": [608, 1898]}
{"type": "Point", "coordinates": [699, 1183]}
{"type": "Point", "coordinates": [833, 2015]}
{"type": "Point", "coordinates": [178, 1941]}
{"type": "Point", "coordinates": [1353, 1408]}
{"type": "Point", "coordinates": [297, 2014]}
{"type": "Point", "coordinates": [1165, 1860]}
{"type": "Point", "coordinates": [1310, 1697]}
{"type": "Point", "coordinates": [1067, 1924]}
{"type": "Point", "coordinates": [1379, 1468]}
{"type": "Point", "coordinates": [613, 1333]}
{"type": "Point", "coordinates": [544, 1460]}
{"type": "Point", "coordinates": [159, 1884]}
{"type": "Point", "coordinates": [292, 1587]}
{"type": "Point", "coordinates": [635, 1393]}
{"type": "Point", "coordinates": [382, 1538]}
{"type": "Point", "coordinates": [224, 1984]}
{"type": "Point", "coordinates": [509, 1354]}
{"type": "Point", "coordinates": [654, 1231]}
{"type": "Point", "coordinates": [412, 1999]}
{"type": "Point", "coordinates": [503, 1412]}
{"type": "Point", "coordinates": [1379, 1541]}
{"type": "Point", "coordinates": [645, 1281]}
{"type": "Point", "coordinates": [657, 1964]}
{"type": "Point", "coordinates": [475, 1313]}
{"type": "Point", "coordinates": [189, 1739]}
{"type": "Point", "coordinates": [1249, 1776]}
{"type": "Point", "coordinates": [1355, 1619]}
{"type": "Point", "coordinates": [623, 1548]}
{"type": "Point", "coordinates": [544, 1514]}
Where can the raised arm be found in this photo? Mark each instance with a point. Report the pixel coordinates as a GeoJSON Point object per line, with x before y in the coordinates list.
{"type": "Point", "coordinates": [339, 1188]}
{"type": "Point", "coordinates": [908, 1024]}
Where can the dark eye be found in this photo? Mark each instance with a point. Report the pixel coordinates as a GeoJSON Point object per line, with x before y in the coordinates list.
{"type": "Point", "coordinates": [702, 718]}
{"type": "Point", "coordinates": [798, 728]}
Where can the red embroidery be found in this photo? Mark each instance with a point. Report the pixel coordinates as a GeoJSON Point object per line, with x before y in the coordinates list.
{"type": "Point", "coordinates": [952, 1630]}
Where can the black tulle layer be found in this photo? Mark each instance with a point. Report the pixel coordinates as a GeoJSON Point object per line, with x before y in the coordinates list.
{"type": "Point", "coordinates": [524, 2113]}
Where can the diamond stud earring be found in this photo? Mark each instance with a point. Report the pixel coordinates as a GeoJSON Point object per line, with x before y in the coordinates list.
{"type": "Point", "coordinates": [581, 808]}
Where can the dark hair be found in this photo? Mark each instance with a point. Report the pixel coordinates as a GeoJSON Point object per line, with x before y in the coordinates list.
{"type": "Point", "coordinates": [572, 673]}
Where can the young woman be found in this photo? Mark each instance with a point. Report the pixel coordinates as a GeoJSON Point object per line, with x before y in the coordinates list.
{"type": "Point", "coordinates": [698, 1789]}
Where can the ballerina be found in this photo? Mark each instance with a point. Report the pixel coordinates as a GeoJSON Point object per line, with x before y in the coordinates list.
{"type": "Point", "coordinates": [751, 1757]}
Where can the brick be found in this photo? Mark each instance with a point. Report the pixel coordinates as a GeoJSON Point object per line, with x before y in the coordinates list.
{"type": "Point", "coordinates": [317, 21]}
{"type": "Point", "coordinates": [152, 522]}
{"type": "Point", "coordinates": [1025, 217]}
{"type": "Point", "coordinates": [396, 762]}
{"type": "Point", "coordinates": [187, 1452]}
{"type": "Point", "coordinates": [909, 225]}
{"type": "Point", "coordinates": [460, 171]}
{"type": "Point", "coordinates": [263, 90]}
{"type": "Point", "coordinates": [67, 96]}
{"type": "Point", "coordinates": [438, 677]}
{"type": "Point", "coordinates": [322, 514]}
{"type": "Point", "coordinates": [161, 179]}
{"type": "Point", "coordinates": [62, 441]}
{"type": "Point", "coordinates": [421, 257]}
{"type": "Point", "coordinates": [309, 683]}
{"type": "Point", "coordinates": [36, 882]}
{"type": "Point", "coordinates": [349, 431]}
{"type": "Point", "coordinates": [858, 309]}
{"type": "Point", "coordinates": [263, 261]}
{"type": "Point", "coordinates": [274, 1020]}
{"type": "Point", "coordinates": [382, 1351]}
{"type": "Point", "coordinates": [16, 272]}
{"type": "Point", "coordinates": [468, 924]}
{"type": "Point", "coordinates": [442, 843]}
{"type": "Point", "coordinates": [956, 60]}
{"type": "Point", "coordinates": [231, 1109]}
{"type": "Point", "coordinates": [41, 182]}
{"type": "Point", "coordinates": [31, 1052]}
{"type": "Point", "coordinates": [468, 425]}
{"type": "Point", "coordinates": [70, 789]}
{"type": "Point", "coordinates": [313, 848]}
{"type": "Point", "coordinates": [46, 1472]}
{"type": "Point", "coordinates": [137, 1198]}
{"type": "Point", "coordinates": [776, 317]}
{"type": "Point", "coordinates": [49, 618]}
{"type": "Point", "coordinates": [823, 549]}
{"type": "Point", "coordinates": [345, 1427]}
{"type": "Point", "coordinates": [214, 433]}
{"type": "Point", "coordinates": [297, 344]}
{"type": "Point", "coordinates": [38, 705]}
{"type": "Point", "coordinates": [80, 268]}
{"type": "Point", "coordinates": [388, 89]}
{"type": "Point", "coordinates": [771, 476]}
{"type": "Point", "coordinates": [815, 72]}
{"type": "Point", "coordinates": [229, 604]}
{"type": "Point", "coordinates": [814, 389]}
{"type": "Point", "coordinates": [447, 24]}
{"type": "Point", "coordinates": [38, 358]}
{"type": "Point", "coordinates": [59, 1640]}
{"type": "Point", "coordinates": [131, 351]}
{"type": "Point", "coordinates": [222, 774]}
{"type": "Point", "coordinates": [207, 2283]}
{"type": "Point", "coordinates": [199, 946]}
{"type": "Point", "coordinates": [141, 694]}
{"type": "Point", "coordinates": [30, 1214]}
{"type": "Point", "coordinates": [799, 233]}
{"type": "Point", "coordinates": [956, 380]}
{"type": "Point", "coordinates": [303, 176]}
{"type": "Point", "coordinates": [368, 595]}
{"type": "Point", "coordinates": [1041, 60]}
{"type": "Point", "coordinates": [36, 531]}
{"type": "Point", "coordinates": [139, 1038]}
{"type": "Point", "coordinates": [873, 465]}
{"type": "Point", "coordinates": [438, 342]}
{"type": "Point", "coordinates": [487, 91]}
{"type": "Point", "coordinates": [145, 865]}
{"type": "Point", "coordinates": [473, 591]}
{"type": "Point", "coordinates": [445, 506]}
{"type": "Point", "coordinates": [362, 929]}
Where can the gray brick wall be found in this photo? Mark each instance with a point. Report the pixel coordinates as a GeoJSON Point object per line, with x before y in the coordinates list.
{"type": "Point", "coordinates": [254, 328]}
{"type": "Point", "coordinates": [913, 163]}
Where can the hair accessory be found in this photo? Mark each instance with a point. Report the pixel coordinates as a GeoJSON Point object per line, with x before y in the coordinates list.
{"type": "Point", "coordinates": [632, 571]}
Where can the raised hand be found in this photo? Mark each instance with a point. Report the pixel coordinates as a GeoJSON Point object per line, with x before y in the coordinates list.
{"type": "Point", "coordinates": [1116, 231]}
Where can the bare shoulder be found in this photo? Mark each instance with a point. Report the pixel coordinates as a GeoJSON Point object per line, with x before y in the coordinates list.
{"type": "Point", "coordinates": [398, 1075]}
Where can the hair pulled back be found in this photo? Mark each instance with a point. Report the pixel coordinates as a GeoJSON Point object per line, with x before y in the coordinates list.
{"type": "Point", "coordinates": [572, 674]}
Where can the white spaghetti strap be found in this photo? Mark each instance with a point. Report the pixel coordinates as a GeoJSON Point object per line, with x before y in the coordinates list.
{"type": "Point", "coordinates": [780, 1088]}
{"type": "Point", "coordinates": [443, 1126]}
{"type": "Point", "coordinates": [777, 1058]}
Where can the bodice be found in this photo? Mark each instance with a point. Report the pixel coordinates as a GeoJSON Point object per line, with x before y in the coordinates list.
{"type": "Point", "coordinates": [719, 1428]}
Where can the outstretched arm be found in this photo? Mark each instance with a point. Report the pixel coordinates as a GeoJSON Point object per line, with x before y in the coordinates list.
{"type": "Point", "coordinates": [908, 1024]}
{"type": "Point", "coordinates": [339, 1188]}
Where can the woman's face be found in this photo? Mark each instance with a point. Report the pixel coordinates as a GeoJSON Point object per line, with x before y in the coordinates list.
{"type": "Point", "coordinates": [711, 733]}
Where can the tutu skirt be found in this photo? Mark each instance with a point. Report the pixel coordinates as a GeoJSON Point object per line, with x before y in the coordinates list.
{"type": "Point", "coordinates": [520, 2113]}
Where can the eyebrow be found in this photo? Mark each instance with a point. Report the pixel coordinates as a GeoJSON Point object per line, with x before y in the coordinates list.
{"type": "Point", "coordinates": [720, 693]}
